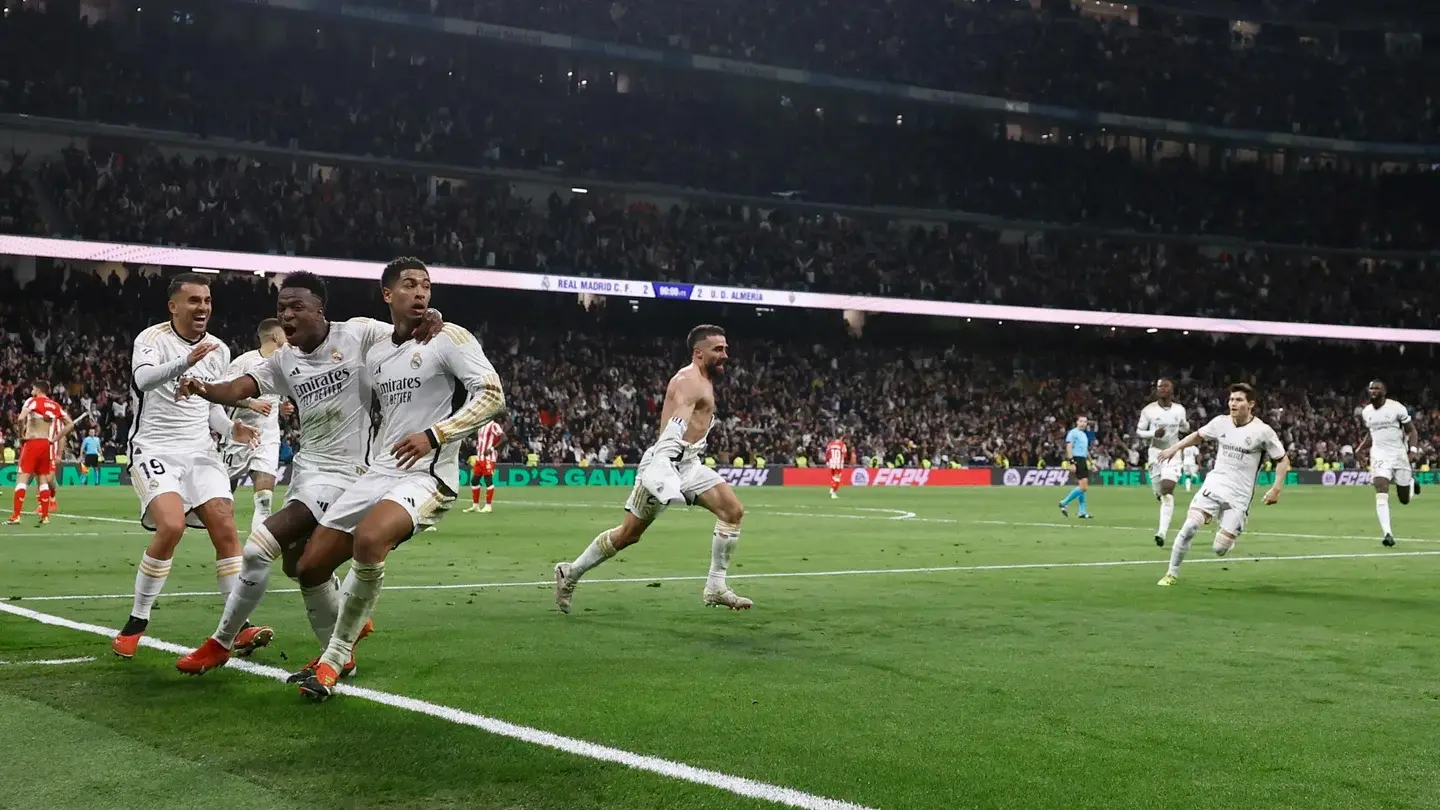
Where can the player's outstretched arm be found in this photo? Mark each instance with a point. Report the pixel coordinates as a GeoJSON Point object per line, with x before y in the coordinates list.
{"type": "Point", "coordinates": [149, 374]}
{"type": "Point", "coordinates": [1177, 448]}
{"type": "Point", "coordinates": [1282, 471]}
{"type": "Point", "coordinates": [230, 393]}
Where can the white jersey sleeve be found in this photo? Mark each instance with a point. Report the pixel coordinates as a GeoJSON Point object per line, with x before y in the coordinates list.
{"type": "Point", "coordinates": [160, 423]}
{"type": "Point", "coordinates": [416, 385]}
{"type": "Point", "coordinates": [269, 426]}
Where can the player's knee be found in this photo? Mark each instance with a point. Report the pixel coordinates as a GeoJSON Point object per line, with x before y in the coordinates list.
{"type": "Point", "coordinates": [310, 571]}
{"type": "Point", "coordinates": [731, 512]}
{"type": "Point", "coordinates": [1224, 541]}
{"type": "Point", "coordinates": [169, 525]}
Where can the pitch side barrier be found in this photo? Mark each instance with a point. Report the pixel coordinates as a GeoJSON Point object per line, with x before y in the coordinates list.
{"type": "Point", "coordinates": [775, 475]}
{"type": "Point", "coordinates": [261, 264]}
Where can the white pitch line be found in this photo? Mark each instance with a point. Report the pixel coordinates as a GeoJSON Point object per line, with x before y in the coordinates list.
{"type": "Point", "coordinates": [898, 515]}
{"type": "Point", "coordinates": [50, 662]}
{"type": "Point", "coordinates": [737, 785]}
{"type": "Point", "coordinates": [940, 569]}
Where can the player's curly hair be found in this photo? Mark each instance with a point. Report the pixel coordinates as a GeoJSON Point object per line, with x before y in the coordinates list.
{"type": "Point", "coordinates": [396, 267]}
{"type": "Point", "coordinates": [305, 280]}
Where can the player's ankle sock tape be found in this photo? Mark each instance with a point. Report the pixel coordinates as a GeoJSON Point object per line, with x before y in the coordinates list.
{"type": "Point", "coordinates": [606, 547]}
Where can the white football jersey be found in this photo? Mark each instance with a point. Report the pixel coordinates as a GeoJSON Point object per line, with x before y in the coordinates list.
{"type": "Point", "coordinates": [161, 425]}
{"type": "Point", "coordinates": [1171, 419]}
{"type": "Point", "coordinates": [417, 385]}
{"type": "Point", "coordinates": [269, 426]}
{"type": "Point", "coordinates": [1190, 456]}
{"type": "Point", "coordinates": [330, 393]}
{"type": "Point", "coordinates": [1239, 454]}
{"type": "Point", "coordinates": [1387, 429]}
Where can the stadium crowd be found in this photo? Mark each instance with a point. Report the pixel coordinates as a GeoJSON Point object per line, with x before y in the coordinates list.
{"type": "Point", "coordinates": [479, 106]}
{"type": "Point", "coordinates": [353, 213]}
{"type": "Point", "coordinates": [1187, 68]}
{"type": "Point", "coordinates": [591, 390]}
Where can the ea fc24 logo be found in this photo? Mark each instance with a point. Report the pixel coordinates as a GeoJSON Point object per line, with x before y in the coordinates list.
{"type": "Point", "coordinates": [1054, 477]}
{"type": "Point", "coordinates": [889, 477]}
{"type": "Point", "coordinates": [745, 476]}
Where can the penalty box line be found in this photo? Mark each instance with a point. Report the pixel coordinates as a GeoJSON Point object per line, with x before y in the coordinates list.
{"type": "Point", "coordinates": [939, 569]}
{"type": "Point", "coordinates": [679, 771]}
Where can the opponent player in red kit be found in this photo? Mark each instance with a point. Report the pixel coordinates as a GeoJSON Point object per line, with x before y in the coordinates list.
{"type": "Point", "coordinates": [38, 419]}
{"type": "Point", "coordinates": [835, 454]}
{"type": "Point", "coordinates": [488, 442]}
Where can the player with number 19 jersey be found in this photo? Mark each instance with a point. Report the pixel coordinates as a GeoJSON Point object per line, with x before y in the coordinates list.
{"type": "Point", "coordinates": [171, 449]}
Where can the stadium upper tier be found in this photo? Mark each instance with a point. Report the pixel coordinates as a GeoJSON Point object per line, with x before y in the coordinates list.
{"type": "Point", "coordinates": [1192, 69]}
{"type": "Point", "coordinates": [587, 383]}
{"type": "Point", "coordinates": [476, 106]}
{"type": "Point", "coordinates": [264, 207]}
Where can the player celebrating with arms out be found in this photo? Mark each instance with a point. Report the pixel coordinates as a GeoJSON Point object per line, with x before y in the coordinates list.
{"type": "Point", "coordinates": [671, 472]}
{"type": "Point", "coordinates": [487, 452]}
{"type": "Point", "coordinates": [1244, 442]}
{"type": "Point", "coordinates": [262, 413]}
{"type": "Point", "coordinates": [1161, 424]}
{"type": "Point", "coordinates": [173, 463]}
{"type": "Point", "coordinates": [42, 421]}
{"type": "Point", "coordinates": [1077, 449]}
{"type": "Point", "coordinates": [835, 459]}
{"type": "Point", "coordinates": [411, 481]}
{"type": "Point", "coordinates": [1392, 443]}
{"type": "Point", "coordinates": [321, 367]}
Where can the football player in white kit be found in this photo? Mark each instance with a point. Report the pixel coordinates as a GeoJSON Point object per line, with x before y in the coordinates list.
{"type": "Point", "coordinates": [1243, 442]}
{"type": "Point", "coordinates": [321, 368]}
{"type": "Point", "coordinates": [261, 463]}
{"type": "Point", "coordinates": [173, 463]}
{"type": "Point", "coordinates": [415, 468]}
{"type": "Point", "coordinates": [671, 472]}
{"type": "Point", "coordinates": [1190, 466]}
{"type": "Point", "coordinates": [1162, 423]}
{"type": "Point", "coordinates": [1393, 442]}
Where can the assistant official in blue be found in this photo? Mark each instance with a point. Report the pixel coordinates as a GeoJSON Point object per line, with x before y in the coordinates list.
{"type": "Point", "coordinates": [1077, 447]}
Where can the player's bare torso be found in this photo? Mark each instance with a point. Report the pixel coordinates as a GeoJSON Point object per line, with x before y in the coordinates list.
{"type": "Point", "coordinates": [690, 385]}
{"type": "Point", "coordinates": [36, 427]}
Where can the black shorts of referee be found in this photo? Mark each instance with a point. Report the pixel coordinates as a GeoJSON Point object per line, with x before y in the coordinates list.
{"type": "Point", "coordinates": [1082, 468]}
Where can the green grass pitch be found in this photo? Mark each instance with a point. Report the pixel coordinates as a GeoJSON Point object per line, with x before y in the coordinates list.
{"type": "Point", "coordinates": [1013, 679]}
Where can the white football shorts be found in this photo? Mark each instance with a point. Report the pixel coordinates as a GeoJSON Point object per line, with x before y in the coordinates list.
{"type": "Point", "coordinates": [241, 459]}
{"type": "Point", "coordinates": [197, 479]}
{"type": "Point", "coordinates": [659, 484]}
{"type": "Point", "coordinates": [416, 491]}
{"type": "Point", "coordinates": [1164, 470]}
{"type": "Point", "coordinates": [1396, 470]}
{"type": "Point", "coordinates": [1231, 515]}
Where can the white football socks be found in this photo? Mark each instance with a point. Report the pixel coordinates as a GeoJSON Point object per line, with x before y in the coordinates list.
{"type": "Point", "coordinates": [599, 550]}
{"type": "Point", "coordinates": [149, 581]}
{"type": "Point", "coordinates": [357, 602]}
{"type": "Point", "coordinates": [1182, 545]}
{"type": "Point", "coordinates": [322, 607]}
{"type": "Point", "coordinates": [722, 545]}
{"type": "Point", "coordinates": [261, 550]}
{"type": "Point", "coordinates": [263, 500]}
{"type": "Point", "coordinates": [1382, 511]}
{"type": "Point", "coordinates": [1167, 512]}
